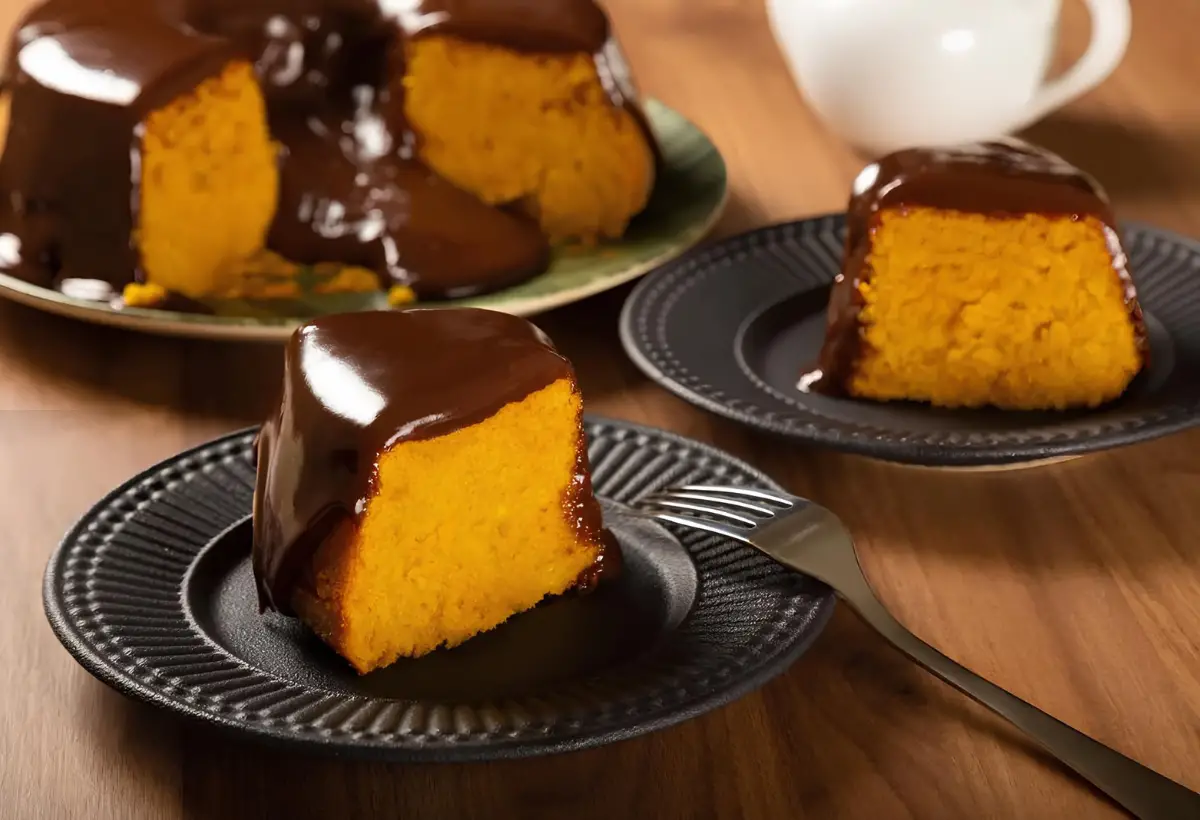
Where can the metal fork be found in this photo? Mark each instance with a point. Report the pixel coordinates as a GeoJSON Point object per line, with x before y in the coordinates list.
{"type": "Point", "coordinates": [810, 539]}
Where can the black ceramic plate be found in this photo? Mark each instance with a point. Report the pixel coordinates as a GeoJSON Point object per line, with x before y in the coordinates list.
{"type": "Point", "coordinates": [731, 325]}
{"type": "Point", "coordinates": [152, 593]}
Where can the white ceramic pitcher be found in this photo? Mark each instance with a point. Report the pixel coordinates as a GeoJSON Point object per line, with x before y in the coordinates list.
{"type": "Point", "coordinates": [889, 74]}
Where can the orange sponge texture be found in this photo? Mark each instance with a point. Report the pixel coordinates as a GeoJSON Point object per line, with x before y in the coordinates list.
{"type": "Point", "coordinates": [208, 188]}
{"type": "Point", "coordinates": [967, 310]}
{"type": "Point", "coordinates": [539, 131]}
{"type": "Point", "coordinates": [463, 531]}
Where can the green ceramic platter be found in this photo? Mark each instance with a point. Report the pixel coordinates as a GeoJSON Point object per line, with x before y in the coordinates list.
{"type": "Point", "coordinates": [688, 198]}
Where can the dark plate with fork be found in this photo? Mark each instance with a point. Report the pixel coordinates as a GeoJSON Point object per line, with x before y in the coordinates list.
{"type": "Point", "coordinates": [152, 593]}
{"type": "Point", "coordinates": [732, 326]}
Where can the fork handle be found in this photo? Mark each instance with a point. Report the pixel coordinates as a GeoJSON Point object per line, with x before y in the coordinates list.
{"type": "Point", "coordinates": [1143, 792]}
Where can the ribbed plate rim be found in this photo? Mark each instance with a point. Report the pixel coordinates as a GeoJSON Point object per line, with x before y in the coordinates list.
{"type": "Point", "coordinates": [873, 442]}
{"type": "Point", "coordinates": [102, 666]}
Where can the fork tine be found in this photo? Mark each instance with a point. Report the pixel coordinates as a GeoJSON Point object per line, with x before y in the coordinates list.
{"type": "Point", "coordinates": [716, 512]}
{"type": "Point", "coordinates": [747, 492]}
{"type": "Point", "coordinates": [712, 499]}
{"type": "Point", "coordinates": [693, 522]}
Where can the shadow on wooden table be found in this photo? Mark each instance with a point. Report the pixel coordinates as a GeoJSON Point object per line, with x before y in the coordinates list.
{"type": "Point", "coordinates": [1035, 522]}
{"type": "Point", "coordinates": [1131, 161]}
{"type": "Point", "coordinates": [219, 380]}
{"type": "Point", "coordinates": [790, 750]}
{"type": "Point", "coordinates": [236, 382]}
{"type": "Point", "coordinates": [740, 215]}
{"type": "Point", "coordinates": [134, 746]}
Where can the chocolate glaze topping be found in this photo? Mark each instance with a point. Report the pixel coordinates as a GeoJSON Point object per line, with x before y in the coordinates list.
{"type": "Point", "coordinates": [341, 192]}
{"type": "Point", "coordinates": [355, 384]}
{"type": "Point", "coordinates": [351, 189]}
{"type": "Point", "coordinates": [1006, 178]}
{"type": "Point", "coordinates": [79, 88]}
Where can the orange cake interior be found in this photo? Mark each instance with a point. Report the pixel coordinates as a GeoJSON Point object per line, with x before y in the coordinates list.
{"type": "Point", "coordinates": [981, 277]}
{"type": "Point", "coordinates": [455, 507]}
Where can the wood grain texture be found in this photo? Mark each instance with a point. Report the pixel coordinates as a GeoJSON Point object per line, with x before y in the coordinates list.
{"type": "Point", "coordinates": [1076, 585]}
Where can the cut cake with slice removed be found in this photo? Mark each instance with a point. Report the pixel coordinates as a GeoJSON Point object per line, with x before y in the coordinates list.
{"type": "Point", "coordinates": [423, 479]}
{"type": "Point", "coordinates": [561, 135]}
{"type": "Point", "coordinates": [988, 274]}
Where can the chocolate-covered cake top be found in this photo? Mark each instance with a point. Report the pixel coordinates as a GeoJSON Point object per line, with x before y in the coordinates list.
{"type": "Point", "coordinates": [351, 190]}
{"type": "Point", "coordinates": [998, 177]}
{"type": "Point", "coordinates": [355, 384]}
{"type": "Point", "coordinates": [533, 25]}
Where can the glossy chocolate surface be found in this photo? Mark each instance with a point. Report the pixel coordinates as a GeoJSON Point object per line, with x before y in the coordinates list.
{"type": "Point", "coordinates": [1003, 179]}
{"type": "Point", "coordinates": [351, 190]}
{"type": "Point", "coordinates": [80, 85]}
{"type": "Point", "coordinates": [355, 384]}
{"type": "Point", "coordinates": [424, 232]}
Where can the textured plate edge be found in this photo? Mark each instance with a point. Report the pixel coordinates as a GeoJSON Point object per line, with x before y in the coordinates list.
{"type": "Point", "coordinates": [102, 669]}
{"type": "Point", "coordinates": [918, 455]}
{"type": "Point", "coordinates": [248, 329]}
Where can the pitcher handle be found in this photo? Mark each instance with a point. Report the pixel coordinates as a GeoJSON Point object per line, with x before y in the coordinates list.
{"type": "Point", "coordinates": [1110, 37]}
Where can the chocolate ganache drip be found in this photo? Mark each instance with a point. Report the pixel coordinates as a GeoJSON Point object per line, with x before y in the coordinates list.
{"type": "Point", "coordinates": [80, 78]}
{"type": "Point", "coordinates": [351, 189]}
{"type": "Point", "coordinates": [355, 384]}
{"type": "Point", "coordinates": [1004, 179]}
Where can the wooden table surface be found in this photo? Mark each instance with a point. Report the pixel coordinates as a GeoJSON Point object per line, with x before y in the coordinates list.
{"type": "Point", "coordinates": [1076, 586]}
